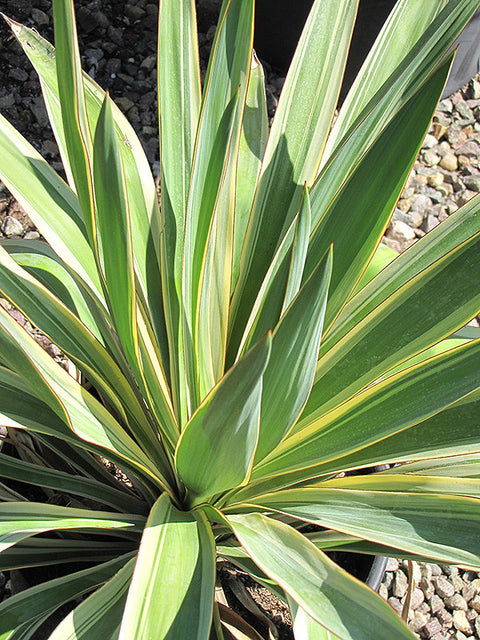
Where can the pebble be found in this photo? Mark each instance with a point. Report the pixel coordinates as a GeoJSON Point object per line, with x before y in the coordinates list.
{"type": "Point", "coordinates": [443, 587]}
{"type": "Point", "coordinates": [12, 227]}
{"type": "Point", "coordinates": [472, 182]}
{"type": "Point", "coordinates": [456, 602]}
{"type": "Point", "coordinates": [460, 621]}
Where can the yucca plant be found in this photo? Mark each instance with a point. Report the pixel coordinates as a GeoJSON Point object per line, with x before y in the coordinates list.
{"type": "Point", "coordinates": [231, 349]}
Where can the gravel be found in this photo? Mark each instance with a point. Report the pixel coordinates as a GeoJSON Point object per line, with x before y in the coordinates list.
{"type": "Point", "coordinates": [118, 44]}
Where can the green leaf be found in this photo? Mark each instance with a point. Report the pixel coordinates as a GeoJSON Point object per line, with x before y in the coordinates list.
{"type": "Point", "coordinates": [253, 141]}
{"type": "Point", "coordinates": [176, 569]}
{"type": "Point", "coordinates": [305, 627]}
{"type": "Point", "coordinates": [74, 116]}
{"type": "Point", "coordinates": [453, 431]}
{"type": "Point", "coordinates": [24, 612]}
{"type": "Point", "coordinates": [214, 300]}
{"type": "Point", "coordinates": [299, 250]}
{"type": "Point", "coordinates": [100, 614]}
{"type": "Point", "coordinates": [179, 109]}
{"type": "Point", "coordinates": [426, 309]}
{"type": "Point", "coordinates": [466, 466]}
{"type": "Point", "coordinates": [20, 520]}
{"type": "Point", "coordinates": [41, 262]}
{"type": "Point", "coordinates": [114, 232]}
{"type": "Point", "coordinates": [214, 165]}
{"type": "Point", "coordinates": [461, 226]}
{"type": "Point", "coordinates": [405, 82]}
{"type": "Point", "coordinates": [48, 201]}
{"type": "Point", "coordinates": [329, 594]}
{"type": "Point", "coordinates": [405, 26]}
{"type": "Point", "coordinates": [396, 403]}
{"type": "Point", "coordinates": [62, 482]}
{"type": "Point", "coordinates": [41, 552]}
{"type": "Point", "coordinates": [355, 220]}
{"type": "Point", "coordinates": [419, 522]}
{"type": "Point", "coordinates": [380, 259]}
{"type": "Point", "coordinates": [223, 432]}
{"type": "Point", "coordinates": [64, 328]}
{"type": "Point", "coordinates": [75, 407]}
{"type": "Point", "coordinates": [288, 378]}
{"type": "Point", "coordinates": [295, 145]}
{"type": "Point", "coordinates": [140, 187]}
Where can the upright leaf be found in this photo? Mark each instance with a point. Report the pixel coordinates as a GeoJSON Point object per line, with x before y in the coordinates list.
{"type": "Point", "coordinates": [223, 432]}
{"type": "Point", "coordinates": [295, 145]}
{"type": "Point", "coordinates": [74, 116]}
{"type": "Point", "coordinates": [171, 595]}
{"type": "Point", "coordinates": [405, 26]}
{"type": "Point", "coordinates": [179, 109]}
{"type": "Point", "coordinates": [219, 132]}
{"type": "Point", "coordinates": [114, 232]}
{"type": "Point", "coordinates": [253, 141]}
{"type": "Point", "coordinates": [289, 375]}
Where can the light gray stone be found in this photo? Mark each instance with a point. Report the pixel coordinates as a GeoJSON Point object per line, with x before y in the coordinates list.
{"type": "Point", "coordinates": [436, 603]}
{"type": "Point", "coordinates": [443, 587]}
{"type": "Point", "coordinates": [445, 618]}
{"type": "Point", "coordinates": [475, 603]}
{"type": "Point", "coordinates": [431, 158]}
{"type": "Point", "coordinates": [469, 149]}
{"type": "Point", "coordinates": [477, 626]}
{"type": "Point", "coordinates": [399, 230]}
{"type": "Point", "coordinates": [12, 227]}
{"type": "Point", "coordinates": [418, 598]}
{"type": "Point", "coordinates": [418, 622]}
{"type": "Point", "coordinates": [395, 604]}
{"type": "Point", "coordinates": [457, 601]}
{"type": "Point", "coordinates": [429, 141]}
{"type": "Point", "coordinates": [420, 204]}
{"type": "Point", "coordinates": [432, 627]}
{"type": "Point", "coordinates": [400, 584]}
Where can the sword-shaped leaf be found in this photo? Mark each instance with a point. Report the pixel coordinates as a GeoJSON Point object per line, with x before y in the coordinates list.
{"type": "Point", "coordinates": [42, 476]}
{"type": "Point", "coordinates": [41, 552]}
{"type": "Point", "coordinates": [423, 523]}
{"type": "Point", "coordinates": [356, 218]}
{"type": "Point", "coordinates": [114, 232]}
{"type": "Point", "coordinates": [213, 165]}
{"type": "Point", "coordinates": [76, 129]}
{"type": "Point", "coordinates": [288, 378]}
{"type": "Point", "coordinates": [396, 329]}
{"type": "Point", "coordinates": [140, 187]}
{"type": "Point", "coordinates": [252, 147]}
{"type": "Point", "coordinates": [329, 594]}
{"type": "Point", "coordinates": [295, 145]}
{"type": "Point", "coordinates": [100, 614]}
{"type": "Point", "coordinates": [215, 451]}
{"type": "Point", "coordinates": [89, 355]}
{"type": "Point", "coordinates": [405, 26]}
{"type": "Point", "coordinates": [396, 403]}
{"type": "Point", "coordinates": [176, 569]}
{"type": "Point", "coordinates": [24, 612]}
{"type": "Point", "coordinates": [49, 202]}
{"type": "Point", "coordinates": [20, 520]}
{"type": "Point", "coordinates": [77, 408]}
